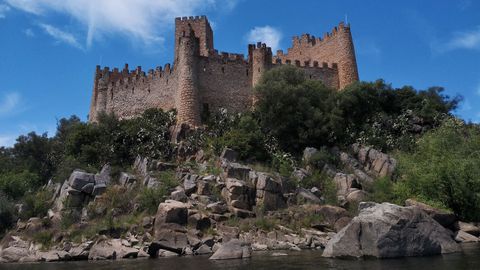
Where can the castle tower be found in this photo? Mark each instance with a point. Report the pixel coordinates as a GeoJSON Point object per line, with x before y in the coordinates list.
{"type": "Point", "coordinates": [345, 56]}
{"type": "Point", "coordinates": [187, 97]}
{"type": "Point", "coordinates": [99, 97]}
{"type": "Point", "coordinates": [261, 59]}
{"type": "Point", "coordinates": [202, 29]}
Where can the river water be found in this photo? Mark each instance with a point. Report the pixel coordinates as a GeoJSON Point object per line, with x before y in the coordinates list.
{"type": "Point", "coordinates": [468, 259]}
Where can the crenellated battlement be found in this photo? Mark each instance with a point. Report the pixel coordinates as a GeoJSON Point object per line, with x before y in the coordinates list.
{"type": "Point", "coordinates": [307, 64]}
{"type": "Point", "coordinates": [192, 18]}
{"type": "Point", "coordinates": [202, 78]}
{"type": "Point", "coordinates": [311, 40]}
{"type": "Point", "coordinates": [126, 75]}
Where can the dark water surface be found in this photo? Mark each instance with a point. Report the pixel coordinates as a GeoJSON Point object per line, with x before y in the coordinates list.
{"type": "Point", "coordinates": [469, 259]}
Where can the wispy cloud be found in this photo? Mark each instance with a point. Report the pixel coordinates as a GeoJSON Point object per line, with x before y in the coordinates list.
{"type": "Point", "coordinates": [469, 40]}
{"type": "Point", "coordinates": [368, 47]}
{"type": "Point", "coordinates": [10, 103]}
{"type": "Point", "coordinates": [464, 4]}
{"type": "Point", "coordinates": [61, 36]}
{"type": "Point", "coordinates": [3, 10]}
{"type": "Point", "coordinates": [266, 34]}
{"type": "Point", "coordinates": [141, 20]}
{"type": "Point", "coordinates": [29, 32]}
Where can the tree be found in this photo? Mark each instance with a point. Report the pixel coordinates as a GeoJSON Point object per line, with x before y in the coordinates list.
{"type": "Point", "coordinates": [293, 109]}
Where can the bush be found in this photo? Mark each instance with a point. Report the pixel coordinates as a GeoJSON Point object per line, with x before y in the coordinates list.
{"type": "Point", "coordinates": [383, 190]}
{"type": "Point", "coordinates": [444, 169]}
{"type": "Point", "coordinates": [37, 204]}
{"type": "Point", "coordinates": [321, 158]}
{"type": "Point", "coordinates": [16, 184]}
{"type": "Point", "coordinates": [247, 138]}
{"type": "Point", "coordinates": [150, 198]}
{"type": "Point", "coordinates": [324, 183]}
{"type": "Point", "coordinates": [7, 214]}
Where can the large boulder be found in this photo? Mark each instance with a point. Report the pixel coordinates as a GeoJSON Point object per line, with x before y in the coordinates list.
{"type": "Point", "coordinates": [387, 230]}
{"type": "Point", "coordinates": [13, 254]}
{"type": "Point", "coordinates": [308, 154]}
{"type": "Point", "coordinates": [172, 211]}
{"type": "Point", "coordinates": [446, 219]}
{"type": "Point", "coordinates": [335, 217]}
{"type": "Point", "coordinates": [269, 192]}
{"type": "Point", "coordinates": [229, 155]}
{"type": "Point", "coordinates": [467, 227]}
{"type": "Point", "coordinates": [233, 249]}
{"type": "Point", "coordinates": [127, 179]}
{"type": "Point", "coordinates": [190, 183]}
{"type": "Point", "coordinates": [15, 250]}
{"type": "Point", "coordinates": [169, 237]}
{"type": "Point", "coordinates": [376, 163]}
{"type": "Point", "coordinates": [238, 193]}
{"type": "Point", "coordinates": [111, 249]}
{"type": "Point", "coordinates": [78, 179]}
{"type": "Point", "coordinates": [104, 175]}
{"type": "Point", "coordinates": [236, 170]}
{"type": "Point", "coordinates": [305, 195]}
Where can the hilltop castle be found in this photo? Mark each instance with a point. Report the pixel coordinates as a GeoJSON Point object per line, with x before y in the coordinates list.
{"type": "Point", "coordinates": [203, 79]}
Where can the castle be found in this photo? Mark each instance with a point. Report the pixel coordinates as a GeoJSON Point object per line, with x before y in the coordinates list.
{"type": "Point", "coordinates": [202, 79]}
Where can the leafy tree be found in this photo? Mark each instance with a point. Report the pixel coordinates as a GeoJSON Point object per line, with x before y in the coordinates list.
{"type": "Point", "coordinates": [293, 109]}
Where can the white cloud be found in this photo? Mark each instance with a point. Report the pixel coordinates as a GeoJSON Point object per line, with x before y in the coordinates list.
{"type": "Point", "coordinates": [368, 47]}
{"type": "Point", "coordinates": [10, 103]}
{"type": "Point", "coordinates": [142, 20]}
{"type": "Point", "coordinates": [7, 140]}
{"type": "Point", "coordinates": [266, 34]}
{"type": "Point", "coordinates": [29, 32]}
{"type": "Point", "coordinates": [460, 40]}
{"type": "Point", "coordinates": [61, 36]}
{"type": "Point", "coordinates": [3, 10]}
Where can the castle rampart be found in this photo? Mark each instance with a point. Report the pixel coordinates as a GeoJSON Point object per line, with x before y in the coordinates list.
{"type": "Point", "coordinates": [203, 79]}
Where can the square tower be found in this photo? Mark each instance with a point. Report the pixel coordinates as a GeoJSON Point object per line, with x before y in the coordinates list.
{"type": "Point", "coordinates": [201, 28]}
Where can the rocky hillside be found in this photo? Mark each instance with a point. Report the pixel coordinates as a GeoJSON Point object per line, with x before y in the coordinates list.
{"type": "Point", "coordinates": [210, 202]}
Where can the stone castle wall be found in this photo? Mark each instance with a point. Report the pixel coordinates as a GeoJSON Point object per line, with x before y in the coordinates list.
{"type": "Point", "coordinates": [204, 79]}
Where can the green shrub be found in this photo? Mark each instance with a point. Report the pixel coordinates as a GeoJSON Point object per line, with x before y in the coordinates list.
{"type": "Point", "coordinates": [322, 157]}
{"type": "Point", "coordinates": [15, 185]}
{"type": "Point", "coordinates": [265, 223]}
{"type": "Point", "coordinates": [37, 204]}
{"type": "Point", "coordinates": [382, 190]}
{"type": "Point", "coordinates": [44, 238]}
{"type": "Point", "coordinates": [150, 198]}
{"type": "Point", "coordinates": [444, 169]}
{"type": "Point", "coordinates": [68, 218]}
{"type": "Point", "coordinates": [247, 139]}
{"type": "Point", "coordinates": [324, 183]}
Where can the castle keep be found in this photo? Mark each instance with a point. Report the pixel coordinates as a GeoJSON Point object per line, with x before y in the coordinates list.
{"type": "Point", "coordinates": [202, 79]}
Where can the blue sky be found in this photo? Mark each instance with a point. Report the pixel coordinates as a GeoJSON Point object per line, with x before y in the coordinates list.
{"type": "Point", "coordinates": [49, 48]}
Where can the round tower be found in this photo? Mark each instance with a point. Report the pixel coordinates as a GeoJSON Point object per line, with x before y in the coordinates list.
{"type": "Point", "coordinates": [187, 96]}
{"type": "Point", "coordinates": [345, 54]}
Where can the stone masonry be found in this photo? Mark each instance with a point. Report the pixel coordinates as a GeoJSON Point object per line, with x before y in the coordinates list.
{"type": "Point", "coordinates": [202, 79]}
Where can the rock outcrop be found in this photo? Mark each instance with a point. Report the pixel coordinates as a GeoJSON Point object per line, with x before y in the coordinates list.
{"type": "Point", "coordinates": [233, 249]}
{"type": "Point", "coordinates": [387, 230]}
